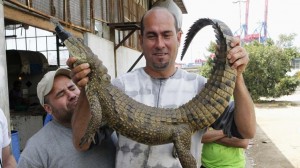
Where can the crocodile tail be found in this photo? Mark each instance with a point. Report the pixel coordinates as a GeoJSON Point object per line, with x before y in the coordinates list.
{"type": "Point", "coordinates": [212, 100]}
{"type": "Point", "coordinates": [194, 29]}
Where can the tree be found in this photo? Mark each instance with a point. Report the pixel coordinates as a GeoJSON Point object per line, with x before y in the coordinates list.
{"type": "Point", "coordinates": [206, 68]}
{"type": "Point", "coordinates": [266, 74]}
{"type": "Point", "coordinates": [286, 41]}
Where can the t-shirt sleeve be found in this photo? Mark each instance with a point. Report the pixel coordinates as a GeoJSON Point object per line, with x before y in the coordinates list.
{"type": "Point", "coordinates": [226, 122]}
{"type": "Point", "coordinates": [26, 162]}
{"type": "Point", "coordinates": [30, 157]}
{"type": "Point", "coordinates": [5, 132]}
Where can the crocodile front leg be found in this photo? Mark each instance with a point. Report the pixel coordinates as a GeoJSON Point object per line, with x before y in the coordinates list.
{"type": "Point", "coordinates": [182, 143]}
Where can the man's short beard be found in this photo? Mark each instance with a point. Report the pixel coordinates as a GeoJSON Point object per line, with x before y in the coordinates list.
{"type": "Point", "coordinates": [66, 118]}
{"type": "Point", "coordinates": [161, 66]}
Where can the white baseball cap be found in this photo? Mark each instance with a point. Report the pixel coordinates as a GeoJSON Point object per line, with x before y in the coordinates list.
{"type": "Point", "coordinates": [46, 83]}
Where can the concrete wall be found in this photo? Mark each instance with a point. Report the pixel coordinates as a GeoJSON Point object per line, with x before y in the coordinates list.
{"type": "Point", "coordinates": [104, 49]}
{"type": "Point", "coordinates": [27, 126]}
{"type": "Point", "coordinates": [4, 103]}
{"type": "Point", "coordinates": [125, 59]}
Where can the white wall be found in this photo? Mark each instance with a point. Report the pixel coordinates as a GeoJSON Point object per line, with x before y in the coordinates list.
{"type": "Point", "coordinates": [104, 49]}
{"type": "Point", "coordinates": [126, 58]}
{"type": "Point", "coordinates": [4, 103]}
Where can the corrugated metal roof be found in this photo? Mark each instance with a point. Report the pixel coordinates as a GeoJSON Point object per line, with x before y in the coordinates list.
{"type": "Point", "coordinates": [181, 5]}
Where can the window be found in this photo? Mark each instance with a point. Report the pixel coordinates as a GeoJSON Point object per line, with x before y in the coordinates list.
{"type": "Point", "coordinates": [296, 63]}
{"type": "Point", "coordinates": [34, 39]}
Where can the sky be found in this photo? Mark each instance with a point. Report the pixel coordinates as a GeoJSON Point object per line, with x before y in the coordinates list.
{"type": "Point", "coordinates": [281, 19]}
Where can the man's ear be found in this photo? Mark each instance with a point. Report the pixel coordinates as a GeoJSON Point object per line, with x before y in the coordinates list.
{"type": "Point", "coordinates": [179, 34]}
{"type": "Point", "coordinates": [48, 108]}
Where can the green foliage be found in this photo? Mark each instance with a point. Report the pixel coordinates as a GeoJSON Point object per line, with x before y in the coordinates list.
{"type": "Point", "coordinates": [297, 75]}
{"type": "Point", "coordinates": [266, 74]}
{"type": "Point", "coordinates": [286, 86]}
{"type": "Point", "coordinates": [286, 41]}
{"type": "Point", "coordinates": [205, 70]}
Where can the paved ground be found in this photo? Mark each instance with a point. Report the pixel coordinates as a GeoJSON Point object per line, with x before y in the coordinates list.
{"type": "Point", "coordinates": [277, 142]}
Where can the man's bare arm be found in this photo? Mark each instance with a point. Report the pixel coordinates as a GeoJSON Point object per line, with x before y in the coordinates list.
{"type": "Point", "coordinates": [9, 160]}
{"type": "Point", "coordinates": [212, 135]}
{"type": "Point", "coordinates": [244, 115]}
{"type": "Point", "coordinates": [233, 142]}
{"type": "Point", "coordinates": [82, 114]}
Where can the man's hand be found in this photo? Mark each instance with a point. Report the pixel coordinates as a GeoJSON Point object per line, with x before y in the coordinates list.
{"type": "Point", "coordinates": [238, 56]}
{"type": "Point", "coordinates": [79, 72]}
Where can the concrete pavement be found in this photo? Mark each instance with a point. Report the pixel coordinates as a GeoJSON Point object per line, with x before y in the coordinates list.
{"type": "Point", "coordinates": [277, 142]}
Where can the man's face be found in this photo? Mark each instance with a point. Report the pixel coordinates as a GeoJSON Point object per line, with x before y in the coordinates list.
{"type": "Point", "coordinates": [62, 99]}
{"type": "Point", "coordinates": [160, 41]}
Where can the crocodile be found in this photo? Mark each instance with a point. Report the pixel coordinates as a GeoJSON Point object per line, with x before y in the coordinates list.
{"type": "Point", "coordinates": [149, 125]}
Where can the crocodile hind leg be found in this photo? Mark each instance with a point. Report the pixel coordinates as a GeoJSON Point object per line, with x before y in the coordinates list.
{"type": "Point", "coordinates": [182, 144]}
{"type": "Point", "coordinates": [95, 121]}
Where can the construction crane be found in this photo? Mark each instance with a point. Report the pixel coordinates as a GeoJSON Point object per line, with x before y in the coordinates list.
{"type": "Point", "coordinates": [264, 25]}
{"type": "Point", "coordinates": [243, 30]}
{"type": "Point", "coordinates": [257, 34]}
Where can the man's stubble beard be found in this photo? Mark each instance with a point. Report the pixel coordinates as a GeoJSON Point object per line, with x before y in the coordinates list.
{"type": "Point", "coordinates": [160, 66]}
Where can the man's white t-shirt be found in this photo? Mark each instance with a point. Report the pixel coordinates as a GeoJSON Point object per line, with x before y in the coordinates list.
{"type": "Point", "coordinates": [4, 137]}
{"type": "Point", "coordinates": [164, 93]}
